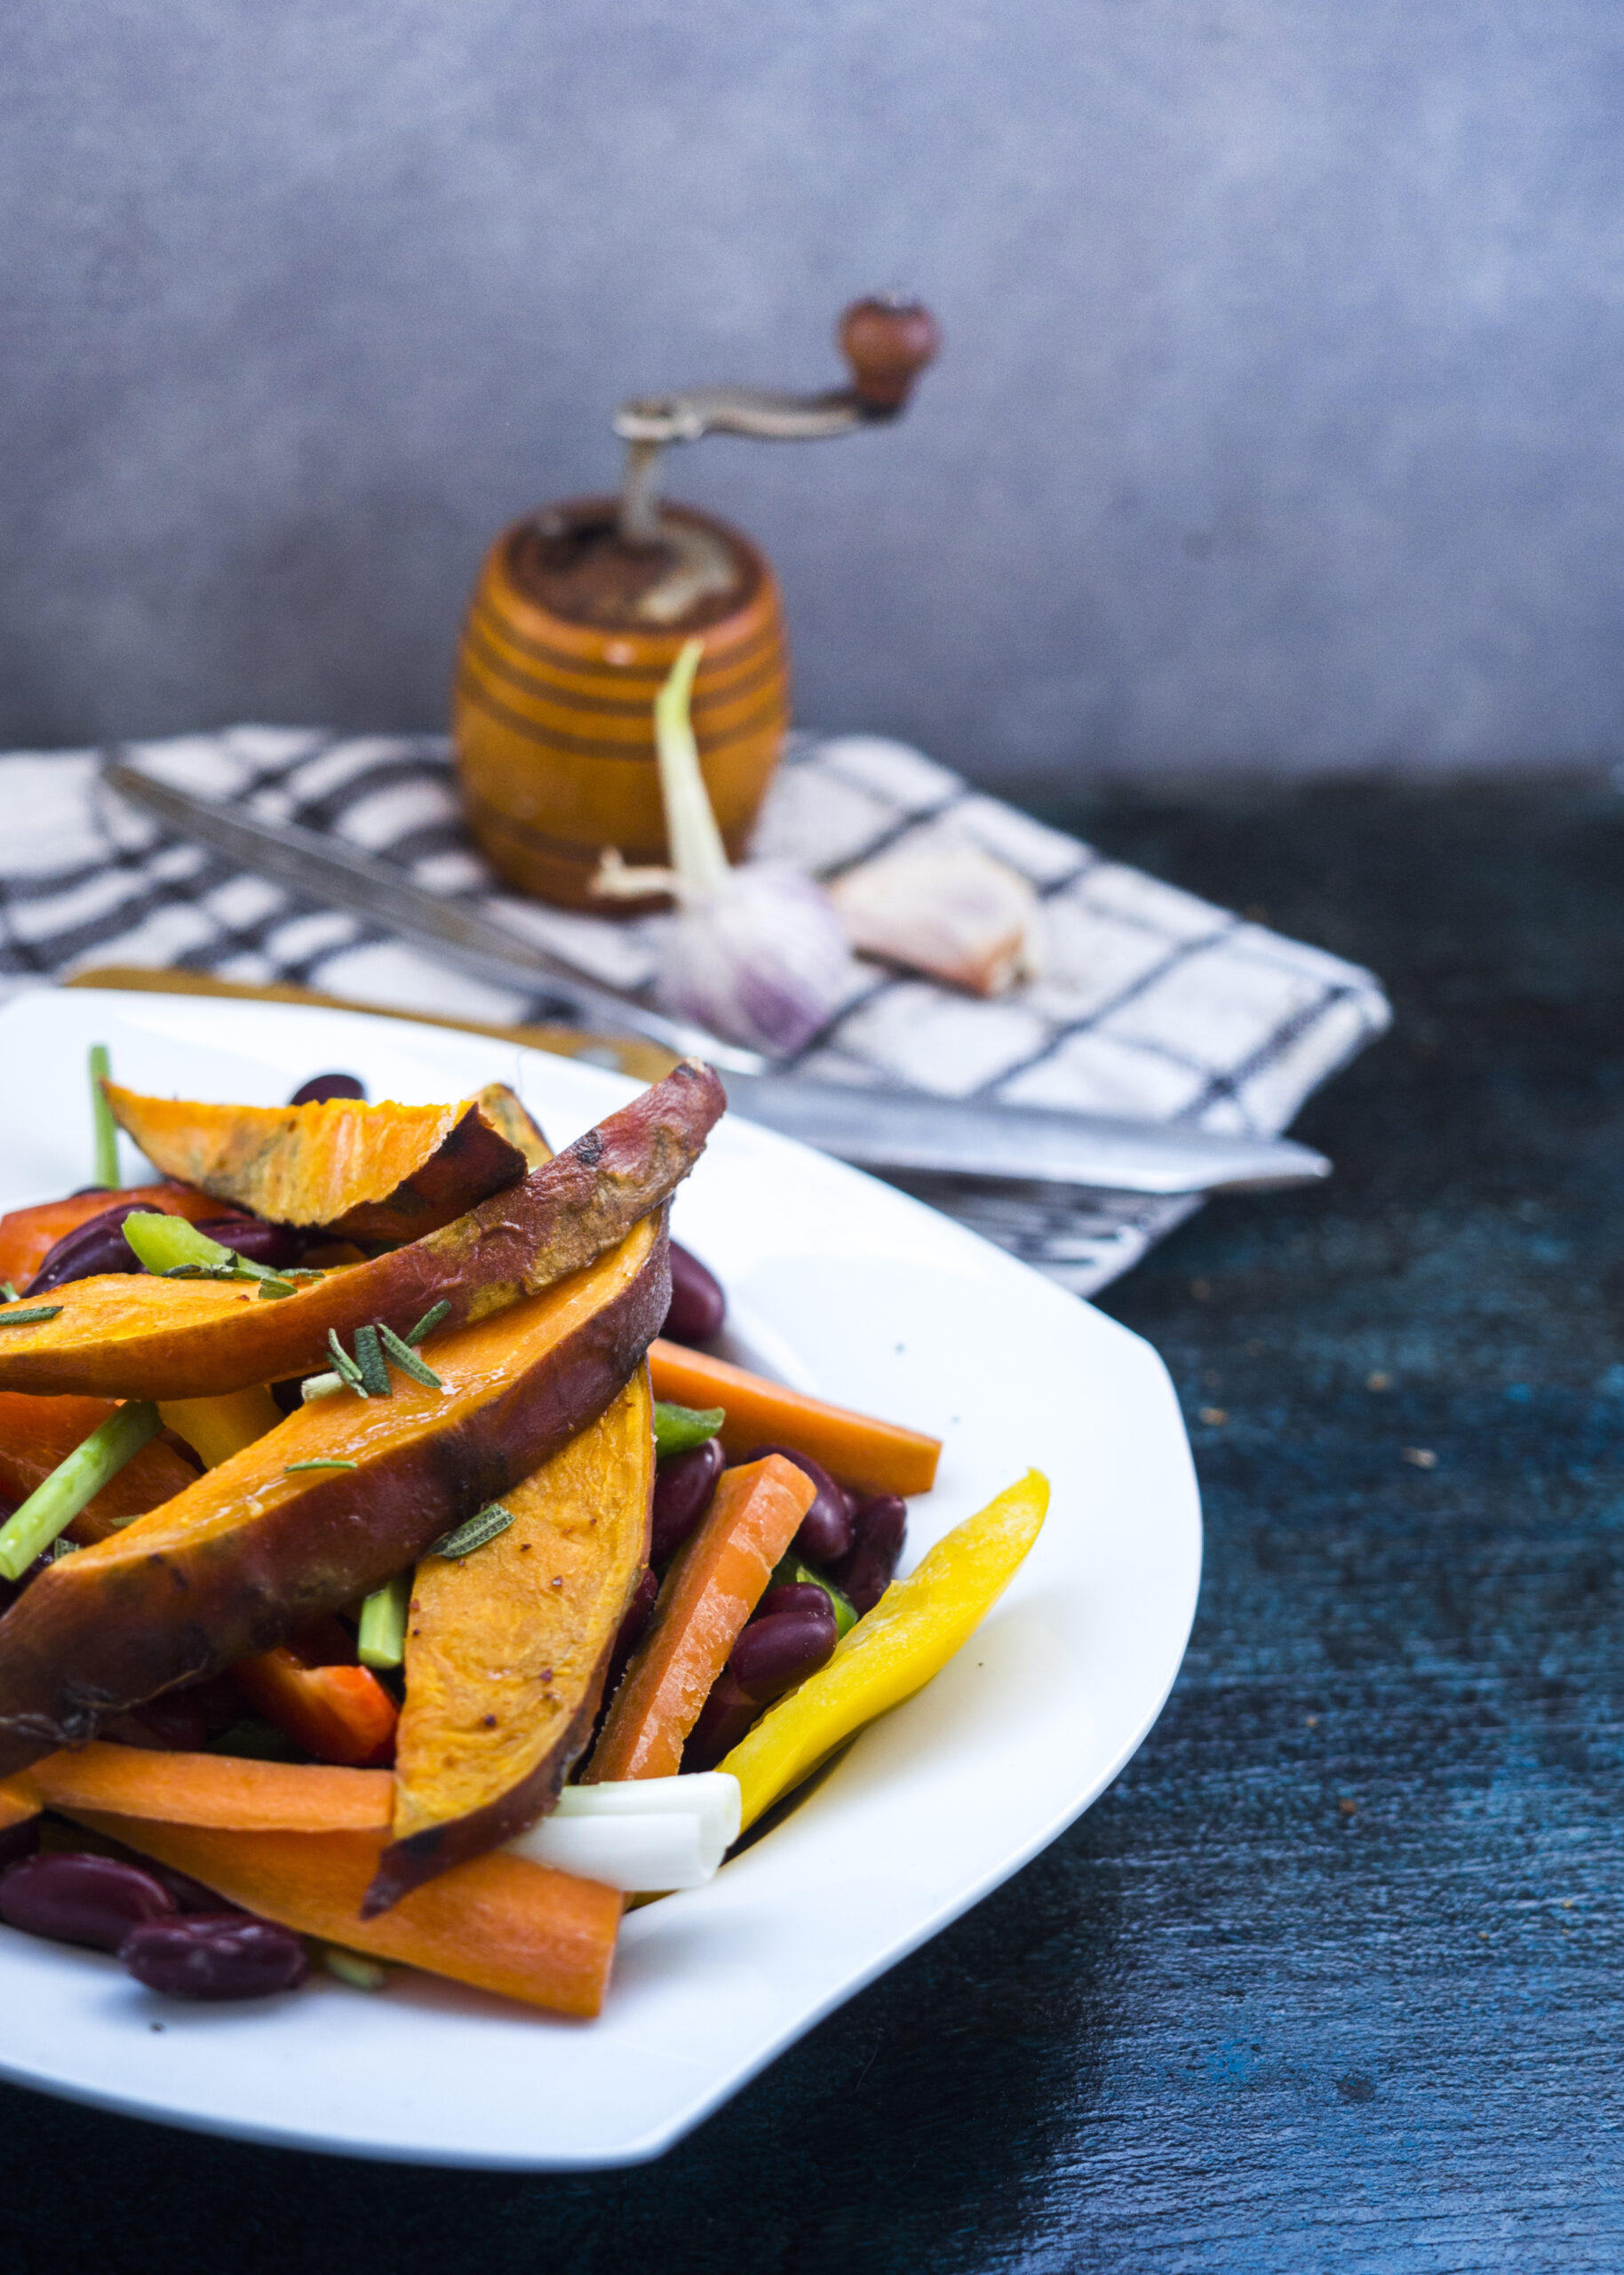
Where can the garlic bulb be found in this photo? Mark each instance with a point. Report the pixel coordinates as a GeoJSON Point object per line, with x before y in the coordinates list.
{"type": "Point", "coordinates": [947, 909]}
{"type": "Point", "coordinates": [755, 953]}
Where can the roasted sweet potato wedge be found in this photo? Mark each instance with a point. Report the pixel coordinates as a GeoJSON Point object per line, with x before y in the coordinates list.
{"type": "Point", "coordinates": [265, 1542]}
{"type": "Point", "coordinates": [38, 1433]}
{"type": "Point", "coordinates": [507, 1651]}
{"type": "Point", "coordinates": [142, 1337]}
{"type": "Point", "coordinates": [384, 1172]}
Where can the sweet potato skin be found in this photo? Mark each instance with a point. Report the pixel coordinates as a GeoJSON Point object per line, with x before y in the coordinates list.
{"type": "Point", "coordinates": [506, 1654]}
{"type": "Point", "coordinates": [249, 1552]}
{"type": "Point", "coordinates": [138, 1338]}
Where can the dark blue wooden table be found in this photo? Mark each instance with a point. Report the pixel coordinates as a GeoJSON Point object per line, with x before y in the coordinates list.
{"type": "Point", "coordinates": [1331, 1978]}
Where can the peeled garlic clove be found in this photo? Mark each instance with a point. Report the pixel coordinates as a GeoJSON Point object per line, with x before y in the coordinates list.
{"type": "Point", "coordinates": [948, 910]}
{"type": "Point", "coordinates": [762, 959]}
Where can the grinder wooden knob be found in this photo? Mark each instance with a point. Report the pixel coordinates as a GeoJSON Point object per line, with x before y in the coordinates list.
{"type": "Point", "coordinates": [887, 343]}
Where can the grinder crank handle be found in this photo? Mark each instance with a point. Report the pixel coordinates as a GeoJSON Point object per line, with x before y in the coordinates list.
{"type": "Point", "coordinates": [888, 341]}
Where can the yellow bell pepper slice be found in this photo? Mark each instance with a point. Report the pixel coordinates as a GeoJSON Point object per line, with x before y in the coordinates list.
{"type": "Point", "coordinates": [893, 1650]}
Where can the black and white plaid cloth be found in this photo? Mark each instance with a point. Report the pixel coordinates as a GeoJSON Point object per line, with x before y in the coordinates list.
{"type": "Point", "coordinates": [1151, 1003]}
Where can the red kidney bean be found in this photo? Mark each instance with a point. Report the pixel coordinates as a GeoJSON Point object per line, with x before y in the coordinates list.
{"type": "Point", "coordinates": [723, 1720]}
{"type": "Point", "coordinates": [215, 1955]}
{"type": "Point", "coordinates": [794, 1595]}
{"type": "Point", "coordinates": [879, 1527]}
{"type": "Point", "coordinates": [683, 1484]}
{"type": "Point", "coordinates": [772, 1656]}
{"type": "Point", "coordinates": [321, 1087]}
{"type": "Point", "coordinates": [698, 1305]}
{"type": "Point", "coordinates": [80, 1899]}
{"type": "Point", "coordinates": [825, 1530]}
{"type": "Point", "coordinates": [17, 1841]}
{"type": "Point", "coordinates": [191, 1894]}
{"type": "Point", "coordinates": [630, 1632]}
{"type": "Point", "coordinates": [92, 1248]}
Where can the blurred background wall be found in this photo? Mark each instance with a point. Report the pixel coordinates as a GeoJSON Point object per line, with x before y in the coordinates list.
{"type": "Point", "coordinates": [1278, 425]}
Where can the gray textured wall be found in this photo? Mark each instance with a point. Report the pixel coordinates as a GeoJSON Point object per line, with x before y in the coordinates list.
{"type": "Point", "coordinates": [1279, 421]}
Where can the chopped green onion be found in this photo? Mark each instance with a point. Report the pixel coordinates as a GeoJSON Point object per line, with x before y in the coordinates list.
{"type": "Point", "coordinates": [53, 1507]}
{"type": "Point", "coordinates": [369, 1361]}
{"type": "Point", "coordinates": [101, 1117]}
{"type": "Point", "coordinates": [30, 1316]}
{"type": "Point", "coordinates": [326, 1386]}
{"type": "Point", "coordinates": [345, 1364]}
{"type": "Point", "coordinates": [380, 1640]}
{"type": "Point", "coordinates": [676, 1428]}
{"type": "Point", "coordinates": [361, 1973]}
{"type": "Point", "coordinates": [478, 1532]}
{"type": "Point", "coordinates": [429, 1321]}
{"type": "Point", "coordinates": [292, 1468]}
{"type": "Point", "coordinates": [407, 1359]}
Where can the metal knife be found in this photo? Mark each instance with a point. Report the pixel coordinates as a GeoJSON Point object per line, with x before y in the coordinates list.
{"type": "Point", "coordinates": [876, 1128]}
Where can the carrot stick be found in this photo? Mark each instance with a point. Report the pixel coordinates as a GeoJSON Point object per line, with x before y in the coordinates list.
{"type": "Point", "coordinates": [710, 1591]}
{"type": "Point", "coordinates": [497, 1922]}
{"type": "Point", "coordinates": [875, 1456]}
{"type": "Point", "coordinates": [36, 1436]}
{"type": "Point", "coordinates": [211, 1789]}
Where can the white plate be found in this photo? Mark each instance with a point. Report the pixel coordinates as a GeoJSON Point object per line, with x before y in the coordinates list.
{"type": "Point", "coordinates": [841, 1286]}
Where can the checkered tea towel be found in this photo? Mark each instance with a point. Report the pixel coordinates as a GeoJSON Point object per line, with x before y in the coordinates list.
{"type": "Point", "coordinates": [1151, 1003]}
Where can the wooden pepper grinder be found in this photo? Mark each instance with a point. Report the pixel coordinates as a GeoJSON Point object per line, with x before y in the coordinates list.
{"type": "Point", "coordinates": [581, 608]}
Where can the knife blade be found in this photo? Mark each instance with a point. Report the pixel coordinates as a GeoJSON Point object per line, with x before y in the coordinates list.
{"type": "Point", "coordinates": [874, 1128]}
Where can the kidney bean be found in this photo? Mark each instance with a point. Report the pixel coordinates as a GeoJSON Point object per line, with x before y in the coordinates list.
{"type": "Point", "coordinates": [825, 1530]}
{"type": "Point", "coordinates": [215, 1955]}
{"type": "Point", "coordinates": [698, 1305]}
{"type": "Point", "coordinates": [683, 1484]}
{"type": "Point", "coordinates": [17, 1841]}
{"type": "Point", "coordinates": [321, 1086]}
{"type": "Point", "coordinates": [80, 1899]}
{"type": "Point", "coordinates": [92, 1248]}
{"type": "Point", "coordinates": [631, 1631]}
{"type": "Point", "coordinates": [878, 1527]}
{"type": "Point", "coordinates": [723, 1720]}
{"type": "Point", "coordinates": [772, 1656]}
{"type": "Point", "coordinates": [259, 1243]}
{"type": "Point", "coordinates": [793, 1595]}
{"type": "Point", "coordinates": [191, 1894]}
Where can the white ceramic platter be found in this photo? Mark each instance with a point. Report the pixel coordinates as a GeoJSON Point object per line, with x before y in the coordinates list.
{"type": "Point", "coordinates": [840, 1286]}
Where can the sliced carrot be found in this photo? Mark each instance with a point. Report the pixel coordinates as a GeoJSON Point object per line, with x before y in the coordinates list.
{"type": "Point", "coordinates": [28, 1235]}
{"type": "Point", "coordinates": [36, 1435]}
{"type": "Point", "coordinates": [710, 1591]}
{"type": "Point", "coordinates": [210, 1789]}
{"type": "Point", "coordinates": [875, 1456]}
{"type": "Point", "coordinates": [497, 1922]}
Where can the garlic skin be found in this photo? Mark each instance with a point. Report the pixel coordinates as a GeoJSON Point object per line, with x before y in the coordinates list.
{"type": "Point", "coordinates": [949, 910]}
{"type": "Point", "coordinates": [761, 960]}
{"type": "Point", "coordinates": [755, 953]}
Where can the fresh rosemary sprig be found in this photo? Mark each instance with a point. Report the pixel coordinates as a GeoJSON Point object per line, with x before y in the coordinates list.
{"type": "Point", "coordinates": [478, 1532]}
{"type": "Point", "coordinates": [407, 1359]}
